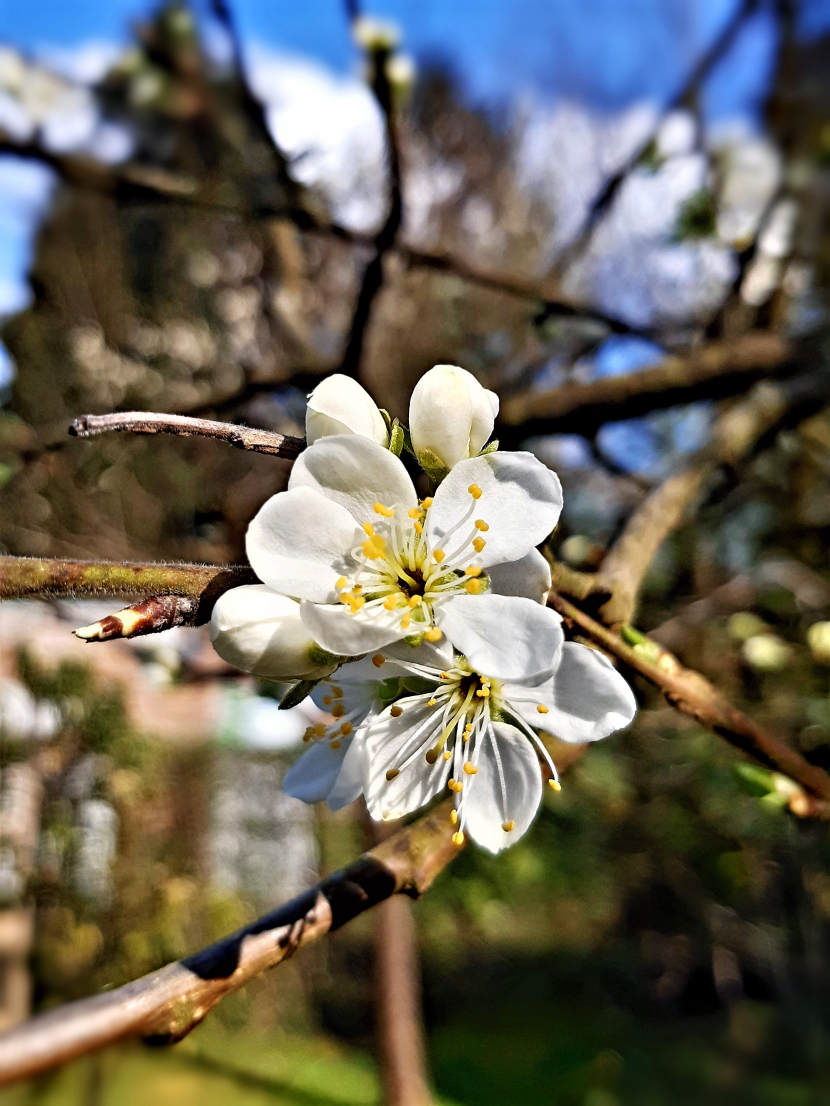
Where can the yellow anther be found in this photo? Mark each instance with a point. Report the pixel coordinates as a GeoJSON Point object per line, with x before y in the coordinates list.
{"type": "Point", "coordinates": [475, 491]}
{"type": "Point", "coordinates": [473, 570]}
{"type": "Point", "coordinates": [473, 587]}
{"type": "Point", "coordinates": [419, 528]}
{"type": "Point", "coordinates": [396, 712]}
{"type": "Point", "coordinates": [345, 598]}
{"type": "Point", "coordinates": [542, 709]}
{"type": "Point", "coordinates": [433, 634]}
{"type": "Point", "coordinates": [479, 544]}
{"type": "Point", "coordinates": [387, 512]}
{"type": "Point", "coordinates": [445, 675]}
{"type": "Point", "coordinates": [369, 528]}
{"type": "Point", "coordinates": [390, 775]}
{"type": "Point", "coordinates": [470, 768]}
{"type": "Point", "coordinates": [391, 601]}
{"type": "Point", "coordinates": [432, 702]}
{"type": "Point", "coordinates": [338, 710]}
{"type": "Point", "coordinates": [458, 838]}
{"type": "Point", "coordinates": [481, 524]}
{"type": "Point", "coordinates": [307, 736]}
{"type": "Point", "coordinates": [455, 785]}
{"type": "Point", "coordinates": [335, 744]}
{"type": "Point", "coordinates": [555, 784]}
{"type": "Point", "coordinates": [483, 693]}
{"type": "Point", "coordinates": [371, 551]}
{"type": "Point", "coordinates": [337, 692]}
{"type": "Point", "coordinates": [341, 583]}
{"type": "Point", "coordinates": [355, 603]}
{"type": "Point", "coordinates": [438, 555]}
{"type": "Point", "coordinates": [431, 756]}
{"type": "Point", "coordinates": [357, 589]}
{"type": "Point", "coordinates": [416, 512]}
{"type": "Point", "coordinates": [378, 661]}
{"type": "Point", "coordinates": [319, 730]}
{"type": "Point", "coordinates": [508, 826]}
{"type": "Point", "coordinates": [426, 503]}
{"type": "Point", "coordinates": [454, 817]}
{"type": "Point", "coordinates": [447, 754]}
{"type": "Point", "coordinates": [465, 738]}
{"type": "Point", "coordinates": [327, 700]}
{"type": "Point", "coordinates": [346, 729]}
{"type": "Point", "coordinates": [407, 618]}
{"type": "Point", "coordinates": [380, 542]}
{"type": "Point", "coordinates": [416, 601]}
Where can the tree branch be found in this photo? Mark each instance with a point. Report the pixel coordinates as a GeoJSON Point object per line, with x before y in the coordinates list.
{"type": "Point", "coordinates": [167, 1004]}
{"type": "Point", "coordinates": [156, 422]}
{"type": "Point", "coordinates": [718, 370]}
{"type": "Point", "coordinates": [692, 694]}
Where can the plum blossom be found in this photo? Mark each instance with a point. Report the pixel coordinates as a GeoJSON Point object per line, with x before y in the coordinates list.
{"type": "Point", "coordinates": [339, 405]}
{"type": "Point", "coordinates": [451, 417]}
{"type": "Point", "coordinates": [372, 564]}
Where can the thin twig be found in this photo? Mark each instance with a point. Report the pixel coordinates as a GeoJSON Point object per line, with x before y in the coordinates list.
{"type": "Point", "coordinates": [167, 1004]}
{"type": "Point", "coordinates": [717, 370]}
{"type": "Point", "coordinates": [692, 694]}
{"type": "Point", "coordinates": [156, 422]}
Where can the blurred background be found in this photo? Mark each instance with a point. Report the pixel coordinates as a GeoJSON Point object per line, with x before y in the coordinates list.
{"type": "Point", "coordinates": [206, 209]}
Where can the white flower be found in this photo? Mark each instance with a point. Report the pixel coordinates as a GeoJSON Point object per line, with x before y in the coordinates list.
{"type": "Point", "coordinates": [450, 725]}
{"type": "Point", "coordinates": [339, 405]}
{"type": "Point", "coordinates": [372, 565]}
{"type": "Point", "coordinates": [258, 631]}
{"type": "Point", "coordinates": [450, 417]}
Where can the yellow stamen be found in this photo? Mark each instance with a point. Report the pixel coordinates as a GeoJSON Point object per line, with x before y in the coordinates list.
{"type": "Point", "coordinates": [319, 730]}
{"type": "Point", "coordinates": [447, 754]}
{"type": "Point", "coordinates": [508, 826]}
{"type": "Point", "coordinates": [426, 503]}
{"type": "Point", "coordinates": [470, 768]}
{"type": "Point", "coordinates": [479, 544]}
{"type": "Point", "coordinates": [337, 692]}
{"type": "Point", "coordinates": [419, 528]}
{"type": "Point", "coordinates": [433, 634]}
{"type": "Point", "coordinates": [458, 838]}
{"type": "Point", "coordinates": [465, 737]}
{"type": "Point", "coordinates": [307, 736]}
{"type": "Point", "coordinates": [346, 729]}
{"type": "Point", "coordinates": [341, 583]}
{"type": "Point", "coordinates": [357, 589]}
{"type": "Point", "coordinates": [391, 601]}
{"type": "Point", "coordinates": [542, 709]}
{"type": "Point", "coordinates": [369, 528]}
{"type": "Point", "coordinates": [407, 618]}
{"type": "Point", "coordinates": [473, 587]}
{"type": "Point", "coordinates": [387, 512]}
{"type": "Point", "coordinates": [416, 512]}
{"type": "Point", "coordinates": [396, 712]}
{"type": "Point", "coordinates": [416, 601]}
{"type": "Point", "coordinates": [431, 756]}
{"type": "Point", "coordinates": [473, 570]}
{"type": "Point", "coordinates": [344, 598]}
{"type": "Point", "coordinates": [481, 524]}
{"type": "Point", "coordinates": [371, 551]}
{"type": "Point", "coordinates": [454, 785]}
{"type": "Point", "coordinates": [454, 817]}
{"type": "Point", "coordinates": [438, 555]}
{"type": "Point", "coordinates": [338, 710]}
{"type": "Point", "coordinates": [475, 491]}
{"type": "Point", "coordinates": [483, 693]}
{"type": "Point", "coordinates": [432, 702]}
{"type": "Point", "coordinates": [335, 745]}
{"type": "Point", "coordinates": [555, 784]}
{"type": "Point", "coordinates": [327, 700]}
{"type": "Point", "coordinates": [390, 775]}
{"type": "Point", "coordinates": [378, 661]}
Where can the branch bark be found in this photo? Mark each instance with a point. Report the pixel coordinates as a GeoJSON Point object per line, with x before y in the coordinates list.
{"type": "Point", "coordinates": [167, 1004]}
{"type": "Point", "coordinates": [692, 694]}
{"type": "Point", "coordinates": [720, 369]}
{"type": "Point", "coordinates": [156, 422]}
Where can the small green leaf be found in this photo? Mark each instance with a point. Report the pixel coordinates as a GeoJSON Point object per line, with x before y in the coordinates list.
{"type": "Point", "coordinates": [407, 441]}
{"type": "Point", "coordinates": [758, 781]}
{"type": "Point", "coordinates": [387, 418]}
{"type": "Point", "coordinates": [298, 692]}
{"type": "Point", "coordinates": [396, 438]}
{"type": "Point", "coordinates": [432, 465]}
{"type": "Point", "coordinates": [491, 448]}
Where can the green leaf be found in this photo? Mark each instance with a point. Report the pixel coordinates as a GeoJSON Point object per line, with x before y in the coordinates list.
{"type": "Point", "coordinates": [396, 438]}
{"type": "Point", "coordinates": [432, 465]}
{"type": "Point", "coordinates": [298, 692]}
{"type": "Point", "coordinates": [387, 418]}
{"type": "Point", "coordinates": [491, 448]}
{"type": "Point", "coordinates": [758, 781]}
{"type": "Point", "coordinates": [407, 440]}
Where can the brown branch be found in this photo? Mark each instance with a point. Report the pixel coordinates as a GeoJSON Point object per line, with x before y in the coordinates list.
{"type": "Point", "coordinates": [735, 436]}
{"type": "Point", "coordinates": [718, 370]}
{"type": "Point", "coordinates": [167, 1004]}
{"type": "Point", "coordinates": [692, 694]}
{"type": "Point", "coordinates": [155, 422]}
{"type": "Point", "coordinates": [150, 616]}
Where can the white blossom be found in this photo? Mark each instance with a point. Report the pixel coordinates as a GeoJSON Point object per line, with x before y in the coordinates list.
{"type": "Point", "coordinates": [373, 564]}
{"type": "Point", "coordinates": [451, 417]}
{"type": "Point", "coordinates": [339, 405]}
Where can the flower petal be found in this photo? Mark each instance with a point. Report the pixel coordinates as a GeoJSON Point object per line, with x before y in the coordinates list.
{"type": "Point", "coordinates": [355, 473]}
{"type": "Point", "coordinates": [349, 783]}
{"type": "Point", "coordinates": [441, 414]}
{"type": "Point", "coordinates": [388, 745]}
{"type": "Point", "coordinates": [520, 500]}
{"type": "Point", "coordinates": [486, 807]}
{"type": "Point", "coordinates": [339, 405]}
{"type": "Point", "coordinates": [502, 636]}
{"type": "Point", "coordinates": [348, 635]}
{"type": "Point", "coordinates": [587, 699]}
{"type": "Point", "coordinates": [312, 777]}
{"type": "Point", "coordinates": [529, 577]}
{"type": "Point", "coordinates": [299, 543]}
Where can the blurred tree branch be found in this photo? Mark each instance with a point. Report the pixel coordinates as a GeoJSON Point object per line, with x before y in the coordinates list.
{"type": "Point", "coordinates": [153, 422]}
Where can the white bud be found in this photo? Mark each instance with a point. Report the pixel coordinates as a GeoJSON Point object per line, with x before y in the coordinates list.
{"type": "Point", "coordinates": [339, 405]}
{"type": "Point", "coordinates": [818, 638]}
{"type": "Point", "coordinates": [766, 652]}
{"type": "Point", "coordinates": [451, 416]}
{"type": "Point", "coordinates": [258, 631]}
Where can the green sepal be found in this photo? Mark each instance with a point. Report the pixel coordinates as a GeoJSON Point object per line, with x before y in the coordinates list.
{"type": "Point", "coordinates": [491, 448]}
{"type": "Point", "coordinates": [407, 440]}
{"type": "Point", "coordinates": [298, 692]}
{"type": "Point", "coordinates": [433, 466]}
{"type": "Point", "coordinates": [387, 418]}
{"type": "Point", "coordinates": [418, 685]}
{"type": "Point", "coordinates": [389, 690]}
{"type": "Point", "coordinates": [396, 438]}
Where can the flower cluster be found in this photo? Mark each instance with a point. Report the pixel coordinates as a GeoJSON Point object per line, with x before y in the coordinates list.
{"type": "Point", "coordinates": [418, 623]}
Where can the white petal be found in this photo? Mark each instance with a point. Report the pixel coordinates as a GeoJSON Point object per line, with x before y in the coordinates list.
{"type": "Point", "coordinates": [349, 783]}
{"type": "Point", "coordinates": [482, 411]}
{"type": "Point", "coordinates": [386, 749]}
{"type": "Point", "coordinates": [355, 473]}
{"type": "Point", "coordinates": [337, 630]}
{"type": "Point", "coordinates": [502, 636]}
{"type": "Point", "coordinates": [312, 777]}
{"type": "Point", "coordinates": [441, 414]}
{"type": "Point", "coordinates": [258, 631]}
{"type": "Point", "coordinates": [437, 655]}
{"type": "Point", "coordinates": [529, 577]}
{"type": "Point", "coordinates": [486, 806]}
{"type": "Point", "coordinates": [587, 698]}
{"type": "Point", "coordinates": [299, 543]}
{"type": "Point", "coordinates": [339, 405]}
{"type": "Point", "coordinates": [521, 501]}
